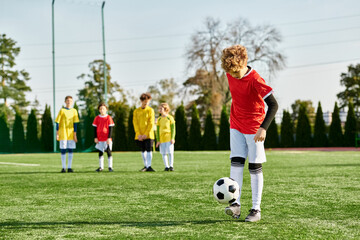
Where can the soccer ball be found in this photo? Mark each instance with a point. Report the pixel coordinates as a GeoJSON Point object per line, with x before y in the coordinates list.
{"type": "Point", "coordinates": [226, 190]}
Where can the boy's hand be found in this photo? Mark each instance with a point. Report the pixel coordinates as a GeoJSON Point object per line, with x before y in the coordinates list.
{"type": "Point", "coordinates": [75, 138]}
{"type": "Point", "coordinates": [108, 141]}
{"type": "Point", "coordinates": [260, 135]}
{"type": "Point", "coordinates": [96, 140]}
{"type": "Point", "coordinates": [57, 137]}
{"type": "Point", "coordinates": [140, 137]}
{"type": "Point", "coordinates": [157, 144]}
{"type": "Point", "coordinates": [172, 141]}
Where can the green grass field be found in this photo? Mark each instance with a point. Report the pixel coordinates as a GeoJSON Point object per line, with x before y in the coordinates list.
{"type": "Point", "coordinates": [307, 195]}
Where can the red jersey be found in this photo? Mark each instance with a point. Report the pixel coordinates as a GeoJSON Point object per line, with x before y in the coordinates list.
{"type": "Point", "coordinates": [247, 107]}
{"type": "Point", "coordinates": [102, 124]}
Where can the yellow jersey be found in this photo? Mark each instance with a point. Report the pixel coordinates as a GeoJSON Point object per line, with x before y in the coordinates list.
{"type": "Point", "coordinates": [144, 122]}
{"type": "Point", "coordinates": [66, 119]}
{"type": "Point", "coordinates": [166, 131]}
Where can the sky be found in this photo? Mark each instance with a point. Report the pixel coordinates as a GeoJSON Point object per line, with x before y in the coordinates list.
{"type": "Point", "coordinates": [146, 41]}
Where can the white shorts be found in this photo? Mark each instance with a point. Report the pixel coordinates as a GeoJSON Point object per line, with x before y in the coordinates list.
{"type": "Point", "coordinates": [102, 146]}
{"type": "Point", "coordinates": [166, 148]}
{"type": "Point", "coordinates": [67, 144]}
{"type": "Point", "coordinates": [243, 145]}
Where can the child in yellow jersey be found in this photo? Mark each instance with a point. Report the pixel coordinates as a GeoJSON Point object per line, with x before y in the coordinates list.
{"type": "Point", "coordinates": [144, 122]}
{"type": "Point", "coordinates": [165, 136]}
{"type": "Point", "coordinates": [66, 126]}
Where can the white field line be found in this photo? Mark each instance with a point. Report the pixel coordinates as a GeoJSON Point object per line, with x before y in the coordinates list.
{"type": "Point", "coordinates": [20, 164]}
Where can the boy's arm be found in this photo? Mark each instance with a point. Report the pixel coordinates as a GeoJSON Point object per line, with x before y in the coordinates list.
{"type": "Point", "coordinates": [270, 114]}
{"type": "Point", "coordinates": [173, 131]}
{"type": "Point", "coordinates": [135, 124]}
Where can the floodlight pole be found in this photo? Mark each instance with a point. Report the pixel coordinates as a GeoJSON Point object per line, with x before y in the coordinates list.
{"type": "Point", "coordinates": [53, 61]}
{"type": "Point", "coordinates": [103, 38]}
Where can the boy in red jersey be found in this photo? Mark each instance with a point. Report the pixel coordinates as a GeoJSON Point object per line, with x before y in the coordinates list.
{"type": "Point", "coordinates": [103, 126]}
{"type": "Point", "coordinates": [248, 125]}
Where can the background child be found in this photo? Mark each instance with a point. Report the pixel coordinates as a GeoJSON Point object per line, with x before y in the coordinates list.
{"type": "Point", "coordinates": [248, 124]}
{"type": "Point", "coordinates": [143, 121]}
{"type": "Point", "coordinates": [165, 136]}
{"type": "Point", "coordinates": [103, 126]}
{"type": "Point", "coordinates": [66, 126]}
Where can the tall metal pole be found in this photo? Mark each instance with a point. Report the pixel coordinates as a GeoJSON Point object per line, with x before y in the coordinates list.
{"type": "Point", "coordinates": [103, 38]}
{"type": "Point", "coordinates": [53, 57]}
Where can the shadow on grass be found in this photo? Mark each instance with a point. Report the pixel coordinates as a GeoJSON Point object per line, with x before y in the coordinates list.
{"type": "Point", "coordinates": [19, 225]}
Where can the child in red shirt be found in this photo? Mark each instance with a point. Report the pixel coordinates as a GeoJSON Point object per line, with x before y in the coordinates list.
{"type": "Point", "coordinates": [103, 126]}
{"type": "Point", "coordinates": [248, 125]}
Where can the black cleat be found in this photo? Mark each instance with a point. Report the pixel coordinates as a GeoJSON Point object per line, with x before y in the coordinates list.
{"type": "Point", "coordinates": [143, 169]}
{"type": "Point", "coordinates": [171, 169]}
{"type": "Point", "coordinates": [167, 169]}
{"type": "Point", "coordinates": [150, 169]}
{"type": "Point", "coordinates": [63, 170]}
{"type": "Point", "coordinates": [110, 169]}
{"type": "Point", "coordinates": [99, 170]}
{"type": "Point", "coordinates": [70, 170]}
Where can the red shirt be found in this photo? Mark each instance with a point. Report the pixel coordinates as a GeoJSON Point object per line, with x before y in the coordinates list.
{"type": "Point", "coordinates": [102, 124]}
{"type": "Point", "coordinates": [247, 107]}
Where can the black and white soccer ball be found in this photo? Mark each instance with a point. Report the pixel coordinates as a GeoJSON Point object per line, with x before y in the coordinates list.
{"type": "Point", "coordinates": [226, 190]}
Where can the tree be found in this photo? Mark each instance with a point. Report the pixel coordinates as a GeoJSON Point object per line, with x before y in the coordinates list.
{"type": "Point", "coordinates": [120, 138]}
{"type": "Point", "coordinates": [79, 131]}
{"type": "Point", "coordinates": [131, 131]}
{"type": "Point", "coordinates": [320, 138]}
{"type": "Point", "coordinates": [18, 135]}
{"type": "Point", "coordinates": [13, 82]}
{"type": "Point", "coordinates": [351, 82]}
{"type": "Point", "coordinates": [350, 127]}
{"type": "Point", "coordinates": [163, 91]}
{"type": "Point", "coordinates": [93, 92]}
{"type": "Point", "coordinates": [287, 130]}
{"type": "Point", "coordinates": [195, 130]}
{"type": "Point", "coordinates": [32, 140]}
{"type": "Point", "coordinates": [209, 137]}
{"type": "Point", "coordinates": [89, 129]}
{"type": "Point", "coordinates": [181, 137]}
{"type": "Point", "coordinates": [303, 129]}
{"type": "Point", "coordinates": [5, 145]}
{"type": "Point", "coordinates": [47, 132]}
{"type": "Point", "coordinates": [307, 104]}
{"type": "Point", "coordinates": [335, 132]}
{"type": "Point", "coordinates": [209, 83]}
{"type": "Point", "coordinates": [272, 136]}
{"type": "Point", "coordinates": [224, 132]}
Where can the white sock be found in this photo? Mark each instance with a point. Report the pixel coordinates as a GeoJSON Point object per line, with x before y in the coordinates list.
{"type": "Point", "coordinates": [257, 183]}
{"type": "Point", "coordinates": [165, 159]}
{"type": "Point", "coordinates": [236, 173]}
{"type": "Point", "coordinates": [143, 154]}
{"type": "Point", "coordinates": [171, 159]}
{"type": "Point", "coordinates": [149, 158]}
{"type": "Point", "coordinates": [110, 159]}
{"type": "Point", "coordinates": [70, 158]}
{"type": "Point", "coordinates": [101, 162]}
{"type": "Point", "coordinates": [63, 160]}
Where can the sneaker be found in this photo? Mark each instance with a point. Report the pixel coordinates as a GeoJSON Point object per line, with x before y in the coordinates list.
{"type": "Point", "coordinates": [150, 169]}
{"type": "Point", "coordinates": [63, 170]}
{"type": "Point", "coordinates": [167, 169]}
{"type": "Point", "coordinates": [99, 170]}
{"type": "Point", "coordinates": [143, 169]}
{"type": "Point", "coordinates": [70, 170]}
{"type": "Point", "coordinates": [253, 216]}
{"type": "Point", "coordinates": [171, 169]}
{"type": "Point", "coordinates": [110, 169]}
{"type": "Point", "coordinates": [233, 210]}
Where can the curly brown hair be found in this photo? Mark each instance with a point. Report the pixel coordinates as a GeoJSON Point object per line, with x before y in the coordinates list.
{"type": "Point", "coordinates": [234, 58]}
{"type": "Point", "coordinates": [145, 96]}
